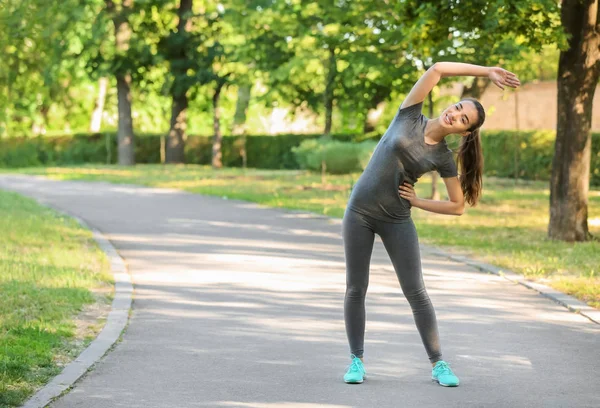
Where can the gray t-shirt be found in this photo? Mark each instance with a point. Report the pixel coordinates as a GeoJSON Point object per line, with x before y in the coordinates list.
{"type": "Point", "coordinates": [401, 155]}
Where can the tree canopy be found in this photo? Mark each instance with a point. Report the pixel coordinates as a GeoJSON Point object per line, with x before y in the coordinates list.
{"type": "Point", "coordinates": [325, 56]}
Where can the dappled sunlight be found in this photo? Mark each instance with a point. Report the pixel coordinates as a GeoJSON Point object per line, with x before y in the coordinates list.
{"type": "Point", "coordinates": [287, 231]}
{"type": "Point", "coordinates": [558, 317]}
{"type": "Point", "coordinates": [504, 305]}
{"type": "Point", "coordinates": [114, 171]}
{"type": "Point", "coordinates": [234, 305]}
{"type": "Point", "coordinates": [322, 201]}
{"type": "Point", "coordinates": [510, 217]}
{"type": "Point", "coordinates": [226, 244]}
{"type": "Point", "coordinates": [500, 360]}
{"type": "Point", "coordinates": [277, 404]}
{"type": "Point", "coordinates": [192, 183]}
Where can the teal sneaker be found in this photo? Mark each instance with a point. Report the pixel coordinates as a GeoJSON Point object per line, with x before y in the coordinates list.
{"type": "Point", "coordinates": [356, 372]}
{"type": "Point", "coordinates": [444, 375]}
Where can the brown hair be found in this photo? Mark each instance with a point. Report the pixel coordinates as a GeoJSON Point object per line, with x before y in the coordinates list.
{"type": "Point", "coordinates": [470, 158]}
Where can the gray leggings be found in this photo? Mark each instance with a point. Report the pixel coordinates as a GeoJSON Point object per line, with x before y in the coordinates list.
{"type": "Point", "coordinates": [402, 245]}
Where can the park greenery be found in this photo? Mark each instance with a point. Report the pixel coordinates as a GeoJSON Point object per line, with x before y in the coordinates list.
{"type": "Point", "coordinates": [44, 287]}
{"type": "Point", "coordinates": [173, 65]}
{"type": "Point", "coordinates": [524, 155]}
{"type": "Point", "coordinates": [208, 60]}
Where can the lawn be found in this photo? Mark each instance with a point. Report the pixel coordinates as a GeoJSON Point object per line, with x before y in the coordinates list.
{"type": "Point", "coordinates": [56, 288]}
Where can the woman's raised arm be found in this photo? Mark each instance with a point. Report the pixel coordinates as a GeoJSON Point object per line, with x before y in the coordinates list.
{"type": "Point", "coordinates": [440, 70]}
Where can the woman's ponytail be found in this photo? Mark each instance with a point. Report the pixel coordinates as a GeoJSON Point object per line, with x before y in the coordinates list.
{"type": "Point", "coordinates": [470, 159]}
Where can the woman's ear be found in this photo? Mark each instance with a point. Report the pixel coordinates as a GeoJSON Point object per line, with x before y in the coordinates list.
{"type": "Point", "coordinates": [465, 133]}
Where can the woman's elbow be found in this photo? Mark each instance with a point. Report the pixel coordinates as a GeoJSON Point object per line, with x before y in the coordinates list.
{"type": "Point", "coordinates": [439, 68]}
{"type": "Point", "coordinates": [460, 210]}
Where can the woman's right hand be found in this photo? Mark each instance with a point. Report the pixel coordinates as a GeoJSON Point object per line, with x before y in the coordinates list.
{"type": "Point", "coordinates": [502, 77]}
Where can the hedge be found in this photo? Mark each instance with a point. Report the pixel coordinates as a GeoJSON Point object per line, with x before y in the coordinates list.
{"type": "Point", "coordinates": [534, 150]}
{"type": "Point", "coordinates": [269, 152]}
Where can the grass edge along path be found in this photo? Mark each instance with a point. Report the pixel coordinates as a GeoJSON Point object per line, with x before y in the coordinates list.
{"type": "Point", "coordinates": [56, 291]}
{"type": "Point", "coordinates": [507, 228]}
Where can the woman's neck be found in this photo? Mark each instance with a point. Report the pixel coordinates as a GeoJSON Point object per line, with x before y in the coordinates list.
{"type": "Point", "coordinates": [434, 132]}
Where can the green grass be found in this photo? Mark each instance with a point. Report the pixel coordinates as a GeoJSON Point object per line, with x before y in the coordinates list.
{"type": "Point", "coordinates": [508, 227]}
{"type": "Point", "coordinates": [50, 269]}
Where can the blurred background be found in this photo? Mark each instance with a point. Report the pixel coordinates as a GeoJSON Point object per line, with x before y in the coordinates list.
{"type": "Point", "coordinates": [174, 69]}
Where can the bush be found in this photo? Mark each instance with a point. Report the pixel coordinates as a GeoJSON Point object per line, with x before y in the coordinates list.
{"type": "Point", "coordinates": [270, 152]}
{"type": "Point", "coordinates": [338, 157]}
{"type": "Point", "coordinates": [534, 151]}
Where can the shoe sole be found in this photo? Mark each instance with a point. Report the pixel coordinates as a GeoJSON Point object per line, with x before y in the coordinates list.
{"type": "Point", "coordinates": [442, 384]}
{"type": "Point", "coordinates": [356, 382]}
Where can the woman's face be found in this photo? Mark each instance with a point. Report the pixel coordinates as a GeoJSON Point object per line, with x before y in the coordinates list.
{"type": "Point", "coordinates": [458, 118]}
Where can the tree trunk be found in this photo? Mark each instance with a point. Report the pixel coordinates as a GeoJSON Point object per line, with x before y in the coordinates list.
{"type": "Point", "coordinates": [6, 113]}
{"type": "Point", "coordinates": [126, 140]}
{"type": "Point", "coordinates": [241, 109]}
{"type": "Point", "coordinates": [45, 111]}
{"type": "Point", "coordinates": [372, 117]}
{"type": "Point", "coordinates": [125, 131]}
{"type": "Point", "coordinates": [476, 89]}
{"type": "Point", "coordinates": [40, 128]}
{"type": "Point", "coordinates": [435, 194]}
{"type": "Point", "coordinates": [176, 139]}
{"type": "Point", "coordinates": [517, 136]}
{"type": "Point", "coordinates": [368, 126]}
{"type": "Point", "coordinates": [239, 119]}
{"type": "Point", "coordinates": [578, 71]}
{"type": "Point", "coordinates": [329, 90]}
{"type": "Point", "coordinates": [96, 121]}
{"type": "Point", "coordinates": [175, 144]}
{"type": "Point", "coordinates": [217, 161]}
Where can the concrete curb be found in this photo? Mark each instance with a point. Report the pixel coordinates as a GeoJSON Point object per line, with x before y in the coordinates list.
{"type": "Point", "coordinates": [115, 323]}
{"type": "Point", "coordinates": [565, 300]}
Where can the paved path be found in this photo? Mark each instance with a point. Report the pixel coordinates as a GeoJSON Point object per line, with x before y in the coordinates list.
{"type": "Point", "coordinates": [241, 306]}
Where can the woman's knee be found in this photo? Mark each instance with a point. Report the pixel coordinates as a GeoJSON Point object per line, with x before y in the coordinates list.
{"type": "Point", "coordinates": [356, 292]}
{"type": "Point", "coordinates": [418, 297]}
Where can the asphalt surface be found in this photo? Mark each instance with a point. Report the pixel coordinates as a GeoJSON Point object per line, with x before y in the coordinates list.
{"type": "Point", "coordinates": [237, 305]}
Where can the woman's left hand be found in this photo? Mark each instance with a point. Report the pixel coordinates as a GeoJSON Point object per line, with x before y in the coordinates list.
{"type": "Point", "coordinates": [407, 192]}
{"type": "Point", "coordinates": [502, 78]}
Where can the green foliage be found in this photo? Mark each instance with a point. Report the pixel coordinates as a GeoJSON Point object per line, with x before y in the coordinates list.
{"type": "Point", "coordinates": [338, 157]}
{"type": "Point", "coordinates": [276, 152]}
{"type": "Point", "coordinates": [510, 34]}
{"type": "Point", "coordinates": [78, 149]}
{"type": "Point", "coordinates": [54, 52]}
{"type": "Point", "coordinates": [534, 151]}
{"type": "Point", "coordinates": [271, 152]}
{"type": "Point", "coordinates": [40, 68]}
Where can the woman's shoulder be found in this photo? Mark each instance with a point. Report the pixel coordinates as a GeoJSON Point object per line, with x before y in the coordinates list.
{"type": "Point", "coordinates": [414, 109]}
{"type": "Point", "coordinates": [410, 113]}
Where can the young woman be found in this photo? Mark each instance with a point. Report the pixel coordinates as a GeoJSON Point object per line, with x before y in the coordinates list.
{"type": "Point", "coordinates": [381, 200]}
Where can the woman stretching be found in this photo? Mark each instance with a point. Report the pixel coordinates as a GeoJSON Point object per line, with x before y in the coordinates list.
{"type": "Point", "coordinates": [381, 200]}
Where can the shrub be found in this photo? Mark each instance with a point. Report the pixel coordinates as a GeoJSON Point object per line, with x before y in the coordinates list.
{"type": "Point", "coordinates": [338, 157]}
